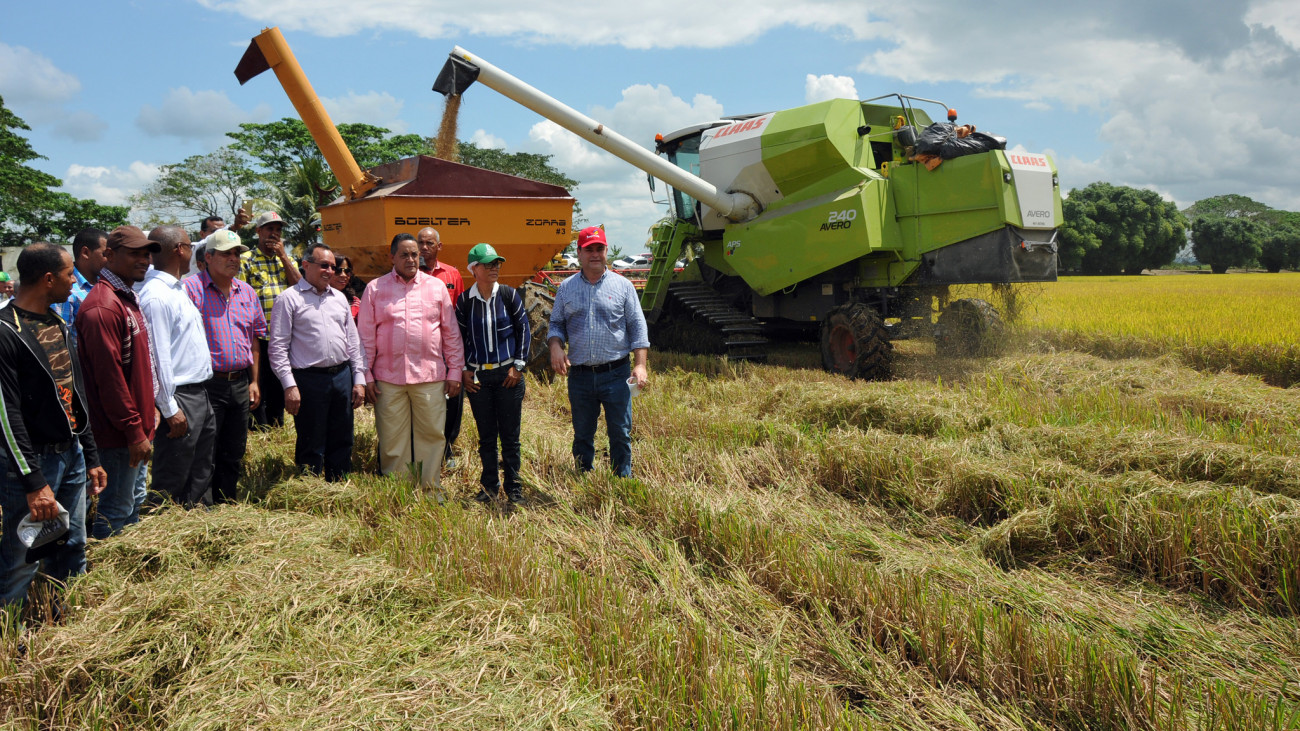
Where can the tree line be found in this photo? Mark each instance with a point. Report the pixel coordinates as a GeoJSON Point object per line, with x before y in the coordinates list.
{"type": "Point", "coordinates": [277, 166]}
{"type": "Point", "coordinates": [1115, 229]}
{"type": "Point", "coordinates": [30, 208]}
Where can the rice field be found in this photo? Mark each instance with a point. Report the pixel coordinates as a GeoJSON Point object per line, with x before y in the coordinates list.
{"type": "Point", "coordinates": [1047, 540]}
{"type": "Point", "coordinates": [1249, 323]}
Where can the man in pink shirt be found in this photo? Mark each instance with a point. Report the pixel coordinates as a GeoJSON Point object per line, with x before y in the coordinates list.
{"type": "Point", "coordinates": [414, 359]}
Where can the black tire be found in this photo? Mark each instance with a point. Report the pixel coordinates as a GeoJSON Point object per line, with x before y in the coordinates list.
{"type": "Point", "coordinates": [538, 303]}
{"type": "Point", "coordinates": [856, 344]}
{"type": "Point", "coordinates": [968, 328]}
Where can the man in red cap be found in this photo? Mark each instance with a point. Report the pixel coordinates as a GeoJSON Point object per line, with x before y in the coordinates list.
{"type": "Point", "coordinates": [113, 344]}
{"type": "Point", "coordinates": [269, 270]}
{"type": "Point", "coordinates": [598, 313]}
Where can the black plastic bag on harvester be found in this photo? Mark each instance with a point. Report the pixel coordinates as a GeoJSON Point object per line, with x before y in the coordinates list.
{"type": "Point", "coordinates": [941, 139]}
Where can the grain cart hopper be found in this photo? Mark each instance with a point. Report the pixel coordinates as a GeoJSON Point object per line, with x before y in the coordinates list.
{"type": "Point", "coordinates": [527, 221]}
{"type": "Point", "coordinates": [813, 220]}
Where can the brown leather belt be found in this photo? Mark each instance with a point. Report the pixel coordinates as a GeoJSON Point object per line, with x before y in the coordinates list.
{"type": "Point", "coordinates": [238, 375]}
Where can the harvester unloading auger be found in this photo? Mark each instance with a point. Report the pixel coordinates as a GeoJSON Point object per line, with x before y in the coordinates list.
{"type": "Point", "coordinates": [814, 219]}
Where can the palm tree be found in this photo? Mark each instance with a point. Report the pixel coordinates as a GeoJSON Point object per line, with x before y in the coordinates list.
{"type": "Point", "coordinates": [309, 186]}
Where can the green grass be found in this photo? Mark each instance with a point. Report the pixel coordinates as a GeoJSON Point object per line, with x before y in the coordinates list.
{"type": "Point", "coordinates": [1040, 541]}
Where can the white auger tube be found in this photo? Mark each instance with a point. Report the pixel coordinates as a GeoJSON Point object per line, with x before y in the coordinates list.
{"type": "Point", "coordinates": [734, 206]}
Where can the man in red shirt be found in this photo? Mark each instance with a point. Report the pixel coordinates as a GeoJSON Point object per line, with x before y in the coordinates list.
{"type": "Point", "coordinates": [430, 243]}
{"type": "Point", "coordinates": [114, 350]}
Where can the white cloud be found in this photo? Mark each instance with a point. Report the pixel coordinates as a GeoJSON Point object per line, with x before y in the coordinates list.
{"type": "Point", "coordinates": [672, 24]}
{"type": "Point", "coordinates": [28, 78]}
{"type": "Point", "coordinates": [612, 191]}
{"type": "Point", "coordinates": [828, 86]}
{"type": "Point", "coordinates": [108, 185]}
{"type": "Point", "coordinates": [373, 107]}
{"type": "Point", "coordinates": [482, 138]}
{"type": "Point", "coordinates": [1195, 105]}
{"type": "Point", "coordinates": [200, 115]}
{"type": "Point", "coordinates": [80, 126]}
{"type": "Point", "coordinates": [1283, 16]}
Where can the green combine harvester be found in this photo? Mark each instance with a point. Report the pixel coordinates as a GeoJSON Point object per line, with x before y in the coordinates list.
{"type": "Point", "coordinates": [820, 221]}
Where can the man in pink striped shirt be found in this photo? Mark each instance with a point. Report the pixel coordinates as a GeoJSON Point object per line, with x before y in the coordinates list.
{"type": "Point", "coordinates": [414, 359]}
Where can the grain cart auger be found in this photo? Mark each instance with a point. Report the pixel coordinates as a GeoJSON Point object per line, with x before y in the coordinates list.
{"type": "Point", "coordinates": [527, 221]}
{"type": "Point", "coordinates": [817, 220]}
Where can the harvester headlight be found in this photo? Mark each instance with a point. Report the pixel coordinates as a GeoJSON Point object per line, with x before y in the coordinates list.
{"type": "Point", "coordinates": [1006, 177]}
{"type": "Point", "coordinates": [1056, 183]}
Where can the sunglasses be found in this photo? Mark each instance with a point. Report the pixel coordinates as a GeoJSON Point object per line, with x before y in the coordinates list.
{"type": "Point", "coordinates": [326, 267]}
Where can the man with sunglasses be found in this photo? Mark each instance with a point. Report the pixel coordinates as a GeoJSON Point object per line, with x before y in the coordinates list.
{"type": "Point", "coordinates": [316, 355]}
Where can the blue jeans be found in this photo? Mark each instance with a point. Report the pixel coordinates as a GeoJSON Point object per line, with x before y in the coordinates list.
{"type": "Point", "coordinates": [119, 503]}
{"type": "Point", "coordinates": [66, 474]}
{"type": "Point", "coordinates": [588, 392]}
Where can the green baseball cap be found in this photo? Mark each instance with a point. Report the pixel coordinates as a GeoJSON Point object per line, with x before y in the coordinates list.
{"type": "Point", "coordinates": [4, 276]}
{"type": "Point", "coordinates": [484, 254]}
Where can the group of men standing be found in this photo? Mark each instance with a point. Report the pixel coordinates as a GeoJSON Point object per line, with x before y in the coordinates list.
{"type": "Point", "coordinates": [95, 344]}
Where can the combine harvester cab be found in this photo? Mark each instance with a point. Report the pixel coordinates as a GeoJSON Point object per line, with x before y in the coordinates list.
{"type": "Point", "coordinates": [815, 221]}
{"type": "Point", "coordinates": [526, 221]}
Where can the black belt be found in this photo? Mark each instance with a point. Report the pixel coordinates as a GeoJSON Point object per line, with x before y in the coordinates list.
{"type": "Point", "coordinates": [190, 387]}
{"type": "Point", "coordinates": [602, 368]}
{"type": "Point", "coordinates": [55, 448]}
{"type": "Point", "coordinates": [324, 370]}
{"type": "Point", "coordinates": [238, 375]}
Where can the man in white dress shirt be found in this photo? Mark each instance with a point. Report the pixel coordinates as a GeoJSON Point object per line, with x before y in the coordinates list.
{"type": "Point", "coordinates": [184, 444]}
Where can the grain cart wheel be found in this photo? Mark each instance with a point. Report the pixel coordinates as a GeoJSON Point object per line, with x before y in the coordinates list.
{"type": "Point", "coordinates": [968, 327]}
{"type": "Point", "coordinates": [855, 343]}
{"type": "Point", "coordinates": [538, 303]}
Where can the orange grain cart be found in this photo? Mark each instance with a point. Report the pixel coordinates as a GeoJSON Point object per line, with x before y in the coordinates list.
{"type": "Point", "coordinates": [527, 222]}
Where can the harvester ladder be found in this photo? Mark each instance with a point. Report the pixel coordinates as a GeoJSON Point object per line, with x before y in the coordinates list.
{"type": "Point", "coordinates": [666, 245]}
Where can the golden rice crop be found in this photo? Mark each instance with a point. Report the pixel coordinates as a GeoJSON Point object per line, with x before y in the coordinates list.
{"type": "Point", "coordinates": [1247, 323]}
{"type": "Point", "coordinates": [1048, 540]}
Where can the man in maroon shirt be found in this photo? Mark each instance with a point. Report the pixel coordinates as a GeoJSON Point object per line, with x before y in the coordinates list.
{"type": "Point", "coordinates": [430, 243]}
{"type": "Point", "coordinates": [114, 352]}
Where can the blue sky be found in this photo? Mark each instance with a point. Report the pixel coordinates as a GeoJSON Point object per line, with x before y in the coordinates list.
{"type": "Point", "coordinates": [1187, 99]}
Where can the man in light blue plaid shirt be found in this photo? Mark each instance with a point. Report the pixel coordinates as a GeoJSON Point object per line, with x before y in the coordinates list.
{"type": "Point", "coordinates": [88, 257]}
{"type": "Point", "coordinates": [598, 314]}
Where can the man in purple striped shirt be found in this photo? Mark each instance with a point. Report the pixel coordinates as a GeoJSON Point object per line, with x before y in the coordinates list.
{"type": "Point", "coordinates": [232, 320]}
{"type": "Point", "coordinates": [315, 353]}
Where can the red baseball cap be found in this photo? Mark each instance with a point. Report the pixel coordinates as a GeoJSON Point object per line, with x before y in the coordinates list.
{"type": "Point", "coordinates": [591, 235]}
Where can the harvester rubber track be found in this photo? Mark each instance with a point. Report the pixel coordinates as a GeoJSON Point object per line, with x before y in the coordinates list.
{"type": "Point", "coordinates": [738, 335]}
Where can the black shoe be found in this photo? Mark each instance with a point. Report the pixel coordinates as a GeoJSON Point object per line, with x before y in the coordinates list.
{"type": "Point", "coordinates": [518, 500]}
{"type": "Point", "coordinates": [483, 497]}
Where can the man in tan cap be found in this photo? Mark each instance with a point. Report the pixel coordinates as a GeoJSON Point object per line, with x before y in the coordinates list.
{"type": "Point", "coordinates": [232, 321]}
{"type": "Point", "coordinates": [269, 270]}
{"type": "Point", "coordinates": [113, 344]}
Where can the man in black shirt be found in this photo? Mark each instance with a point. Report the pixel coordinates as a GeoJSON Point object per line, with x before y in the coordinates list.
{"type": "Point", "coordinates": [49, 456]}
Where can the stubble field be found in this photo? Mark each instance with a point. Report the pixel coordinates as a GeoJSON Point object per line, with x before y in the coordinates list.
{"type": "Point", "coordinates": [1055, 538]}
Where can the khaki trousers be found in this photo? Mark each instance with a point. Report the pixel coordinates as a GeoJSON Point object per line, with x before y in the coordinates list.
{"type": "Point", "coordinates": [409, 420]}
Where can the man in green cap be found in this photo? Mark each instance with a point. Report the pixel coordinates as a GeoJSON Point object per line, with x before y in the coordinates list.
{"type": "Point", "coordinates": [6, 286]}
{"type": "Point", "coordinates": [495, 331]}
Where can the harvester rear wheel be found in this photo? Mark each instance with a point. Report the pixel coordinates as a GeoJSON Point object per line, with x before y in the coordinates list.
{"type": "Point", "coordinates": [539, 300]}
{"type": "Point", "coordinates": [856, 344]}
{"type": "Point", "coordinates": [968, 327]}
